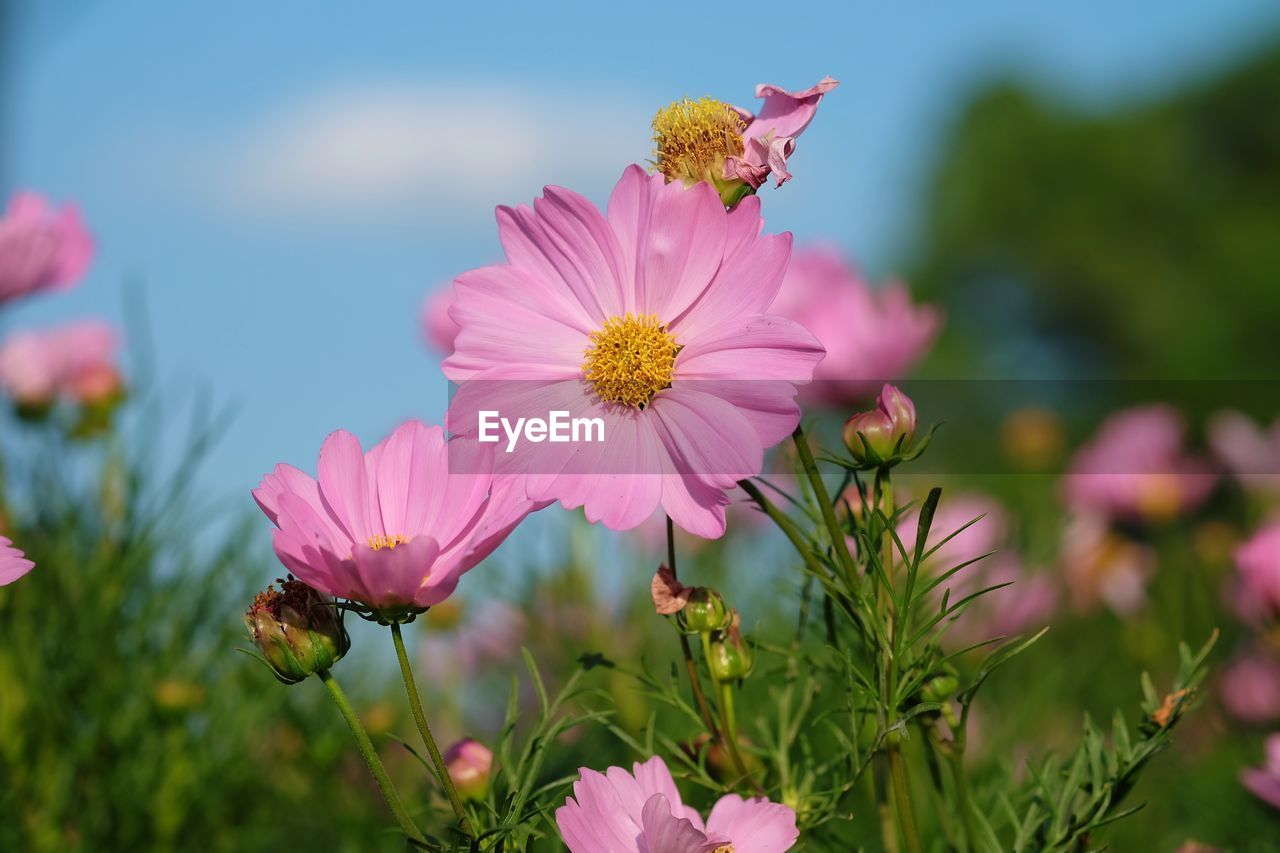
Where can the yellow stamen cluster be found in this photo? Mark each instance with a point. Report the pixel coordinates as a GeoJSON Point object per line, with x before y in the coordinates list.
{"type": "Point", "coordinates": [692, 138]}
{"type": "Point", "coordinates": [723, 848]}
{"type": "Point", "coordinates": [631, 359]}
{"type": "Point", "coordinates": [380, 542]}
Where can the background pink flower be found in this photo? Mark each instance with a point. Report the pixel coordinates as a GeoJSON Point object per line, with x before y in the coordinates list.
{"type": "Point", "coordinates": [1264, 782]}
{"type": "Point", "coordinates": [40, 249]}
{"type": "Point", "coordinates": [652, 318]}
{"type": "Point", "coordinates": [76, 362]}
{"type": "Point", "coordinates": [641, 812]}
{"type": "Point", "coordinates": [438, 328]}
{"type": "Point", "coordinates": [1249, 451]}
{"type": "Point", "coordinates": [1258, 564]}
{"type": "Point", "coordinates": [770, 135]}
{"type": "Point", "coordinates": [871, 336]}
{"type": "Point", "coordinates": [1136, 468]}
{"type": "Point", "coordinates": [1102, 566]}
{"type": "Point", "coordinates": [1250, 688]}
{"type": "Point", "coordinates": [13, 563]}
{"type": "Point", "coordinates": [392, 528]}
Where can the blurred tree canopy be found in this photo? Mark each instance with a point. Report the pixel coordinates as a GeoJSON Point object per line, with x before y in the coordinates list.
{"type": "Point", "coordinates": [1142, 242]}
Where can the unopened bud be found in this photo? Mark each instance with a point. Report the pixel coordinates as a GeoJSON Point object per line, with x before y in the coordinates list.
{"type": "Point", "coordinates": [298, 631]}
{"type": "Point", "coordinates": [885, 431]}
{"type": "Point", "coordinates": [731, 657]}
{"type": "Point", "coordinates": [469, 763]}
{"type": "Point", "coordinates": [706, 611]}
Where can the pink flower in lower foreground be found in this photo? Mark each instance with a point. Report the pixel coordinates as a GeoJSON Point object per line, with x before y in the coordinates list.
{"type": "Point", "coordinates": [871, 336]}
{"type": "Point", "coordinates": [76, 362]}
{"type": "Point", "coordinates": [13, 563]}
{"type": "Point", "coordinates": [1258, 564]}
{"type": "Point", "coordinates": [652, 318]}
{"type": "Point", "coordinates": [1264, 782]}
{"type": "Point", "coordinates": [392, 528]}
{"type": "Point", "coordinates": [1136, 468]}
{"type": "Point", "coordinates": [641, 812]}
{"type": "Point", "coordinates": [40, 249]}
{"type": "Point", "coordinates": [438, 328]}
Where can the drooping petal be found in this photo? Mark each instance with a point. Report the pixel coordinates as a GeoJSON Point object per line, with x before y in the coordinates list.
{"type": "Point", "coordinates": [666, 833]}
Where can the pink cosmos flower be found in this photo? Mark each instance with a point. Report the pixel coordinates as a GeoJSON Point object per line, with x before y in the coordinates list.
{"type": "Point", "coordinates": [13, 563]}
{"type": "Point", "coordinates": [1264, 782]}
{"type": "Point", "coordinates": [641, 812]}
{"type": "Point", "coordinates": [1258, 564]}
{"type": "Point", "coordinates": [1249, 451]}
{"type": "Point", "coordinates": [1250, 688]}
{"type": "Point", "coordinates": [1103, 566]}
{"type": "Point", "coordinates": [438, 328]}
{"type": "Point", "coordinates": [469, 763]}
{"type": "Point", "coordinates": [871, 336]}
{"type": "Point", "coordinates": [651, 318]}
{"type": "Point", "coordinates": [1136, 468]}
{"type": "Point", "coordinates": [770, 136]}
{"type": "Point", "coordinates": [40, 249]}
{"type": "Point", "coordinates": [76, 361]}
{"type": "Point", "coordinates": [391, 528]}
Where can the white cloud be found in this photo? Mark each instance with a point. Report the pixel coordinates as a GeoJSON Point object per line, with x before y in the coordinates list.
{"type": "Point", "coordinates": [447, 153]}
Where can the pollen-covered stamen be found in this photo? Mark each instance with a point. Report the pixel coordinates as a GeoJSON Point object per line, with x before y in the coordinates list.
{"type": "Point", "coordinates": [692, 138]}
{"type": "Point", "coordinates": [383, 541]}
{"type": "Point", "coordinates": [631, 359]}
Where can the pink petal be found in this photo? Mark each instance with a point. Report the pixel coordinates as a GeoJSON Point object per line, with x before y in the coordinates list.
{"type": "Point", "coordinates": [595, 820]}
{"type": "Point", "coordinates": [787, 113]}
{"type": "Point", "coordinates": [754, 826]}
{"type": "Point", "coordinates": [344, 484]}
{"type": "Point", "coordinates": [764, 346]}
{"type": "Point", "coordinates": [706, 436]}
{"type": "Point", "coordinates": [13, 563]}
{"type": "Point", "coordinates": [745, 286]}
{"type": "Point", "coordinates": [665, 833]}
{"type": "Point", "coordinates": [393, 577]}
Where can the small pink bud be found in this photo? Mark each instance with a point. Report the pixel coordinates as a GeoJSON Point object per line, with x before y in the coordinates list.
{"type": "Point", "coordinates": [886, 429]}
{"type": "Point", "coordinates": [469, 763]}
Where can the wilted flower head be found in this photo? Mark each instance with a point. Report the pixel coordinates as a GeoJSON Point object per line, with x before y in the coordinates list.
{"type": "Point", "coordinates": [469, 762]}
{"type": "Point", "coordinates": [1258, 564]}
{"type": "Point", "coordinates": [1250, 688]}
{"type": "Point", "coordinates": [75, 362]}
{"type": "Point", "coordinates": [1101, 565]}
{"type": "Point", "coordinates": [728, 147]}
{"type": "Point", "coordinates": [871, 336]}
{"type": "Point", "coordinates": [641, 812]}
{"type": "Point", "coordinates": [885, 431]}
{"type": "Point", "coordinates": [1249, 451]}
{"type": "Point", "coordinates": [1264, 782]}
{"type": "Point", "coordinates": [653, 319]}
{"type": "Point", "coordinates": [438, 328]}
{"type": "Point", "coordinates": [13, 563]}
{"type": "Point", "coordinates": [1136, 468]}
{"type": "Point", "coordinates": [298, 631]}
{"type": "Point", "coordinates": [392, 529]}
{"type": "Point", "coordinates": [40, 249]}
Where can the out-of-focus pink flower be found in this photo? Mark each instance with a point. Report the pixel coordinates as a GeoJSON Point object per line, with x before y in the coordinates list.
{"type": "Point", "coordinates": [469, 762]}
{"type": "Point", "coordinates": [76, 362]}
{"type": "Point", "coordinates": [492, 636]}
{"type": "Point", "coordinates": [393, 528]}
{"type": "Point", "coordinates": [40, 249]}
{"type": "Point", "coordinates": [1251, 688]}
{"type": "Point", "coordinates": [888, 428]}
{"type": "Point", "coordinates": [770, 135]}
{"type": "Point", "coordinates": [641, 812]}
{"type": "Point", "coordinates": [438, 328]}
{"type": "Point", "coordinates": [1250, 452]}
{"type": "Point", "coordinates": [652, 319]}
{"type": "Point", "coordinates": [1258, 564]}
{"type": "Point", "coordinates": [1026, 603]}
{"type": "Point", "coordinates": [1136, 468]}
{"type": "Point", "coordinates": [1264, 782]}
{"type": "Point", "coordinates": [13, 563]}
{"type": "Point", "coordinates": [1101, 566]}
{"type": "Point", "coordinates": [871, 336]}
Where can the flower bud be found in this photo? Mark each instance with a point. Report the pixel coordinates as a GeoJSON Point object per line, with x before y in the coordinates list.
{"type": "Point", "coordinates": [940, 686]}
{"type": "Point", "coordinates": [298, 631]}
{"type": "Point", "coordinates": [705, 611]}
{"type": "Point", "coordinates": [469, 763]}
{"type": "Point", "coordinates": [731, 659]}
{"type": "Point", "coordinates": [880, 434]}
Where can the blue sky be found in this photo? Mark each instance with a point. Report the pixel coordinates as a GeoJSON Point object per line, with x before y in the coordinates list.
{"type": "Point", "coordinates": [287, 180]}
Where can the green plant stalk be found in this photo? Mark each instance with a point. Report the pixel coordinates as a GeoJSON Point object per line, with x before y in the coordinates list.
{"type": "Point", "coordinates": [902, 799]}
{"type": "Point", "coordinates": [420, 717]}
{"type": "Point", "coordinates": [824, 504]}
{"type": "Point", "coordinates": [728, 718]}
{"type": "Point", "coordinates": [371, 756]}
{"type": "Point", "coordinates": [964, 800]}
{"type": "Point", "coordinates": [708, 719]}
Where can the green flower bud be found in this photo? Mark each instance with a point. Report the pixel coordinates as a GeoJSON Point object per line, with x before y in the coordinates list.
{"type": "Point", "coordinates": [298, 631]}
{"type": "Point", "coordinates": [940, 688]}
{"type": "Point", "coordinates": [730, 658]}
{"type": "Point", "coordinates": [706, 611]}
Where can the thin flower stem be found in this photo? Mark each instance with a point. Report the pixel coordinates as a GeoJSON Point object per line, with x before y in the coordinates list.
{"type": "Point", "coordinates": [708, 719]}
{"type": "Point", "coordinates": [902, 799]}
{"type": "Point", "coordinates": [825, 506]}
{"type": "Point", "coordinates": [419, 717]}
{"type": "Point", "coordinates": [728, 720]}
{"type": "Point", "coordinates": [371, 756]}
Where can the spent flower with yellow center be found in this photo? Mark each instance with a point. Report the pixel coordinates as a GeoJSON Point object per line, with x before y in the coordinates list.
{"type": "Point", "coordinates": [692, 139]}
{"type": "Point", "coordinates": [298, 631]}
{"type": "Point", "coordinates": [631, 359]}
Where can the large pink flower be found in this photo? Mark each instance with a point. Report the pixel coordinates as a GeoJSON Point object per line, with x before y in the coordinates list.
{"type": "Point", "coordinates": [13, 563]}
{"type": "Point", "coordinates": [1136, 468]}
{"type": "Point", "coordinates": [40, 249]}
{"type": "Point", "coordinates": [1264, 782]}
{"type": "Point", "coordinates": [871, 336]}
{"type": "Point", "coordinates": [652, 318]}
{"type": "Point", "coordinates": [76, 362]}
{"type": "Point", "coordinates": [770, 135]}
{"type": "Point", "coordinates": [1258, 562]}
{"type": "Point", "coordinates": [394, 528]}
{"type": "Point", "coordinates": [641, 812]}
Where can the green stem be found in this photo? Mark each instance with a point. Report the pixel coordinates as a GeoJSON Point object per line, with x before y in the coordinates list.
{"type": "Point", "coordinates": [419, 717]}
{"type": "Point", "coordinates": [834, 530]}
{"type": "Point", "coordinates": [728, 718]}
{"type": "Point", "coordinates": [708, 719]}
{"type": "Point", "coordinates": [902, 799]}
{"type": "Point", "coordinates": [370, 756]}
{"type": "Point", "coordinates": [955, 758]}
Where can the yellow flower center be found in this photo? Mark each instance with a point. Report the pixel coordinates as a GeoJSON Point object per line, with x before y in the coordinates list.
{"type": "Point", "coordinates": [631, 359]}
{"type": "Point", "coordinates": [723, 848]}
{"type": "Point", "coordinates": [692, 138]}
{"type": "Point", "coordinates": [386, 542]}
